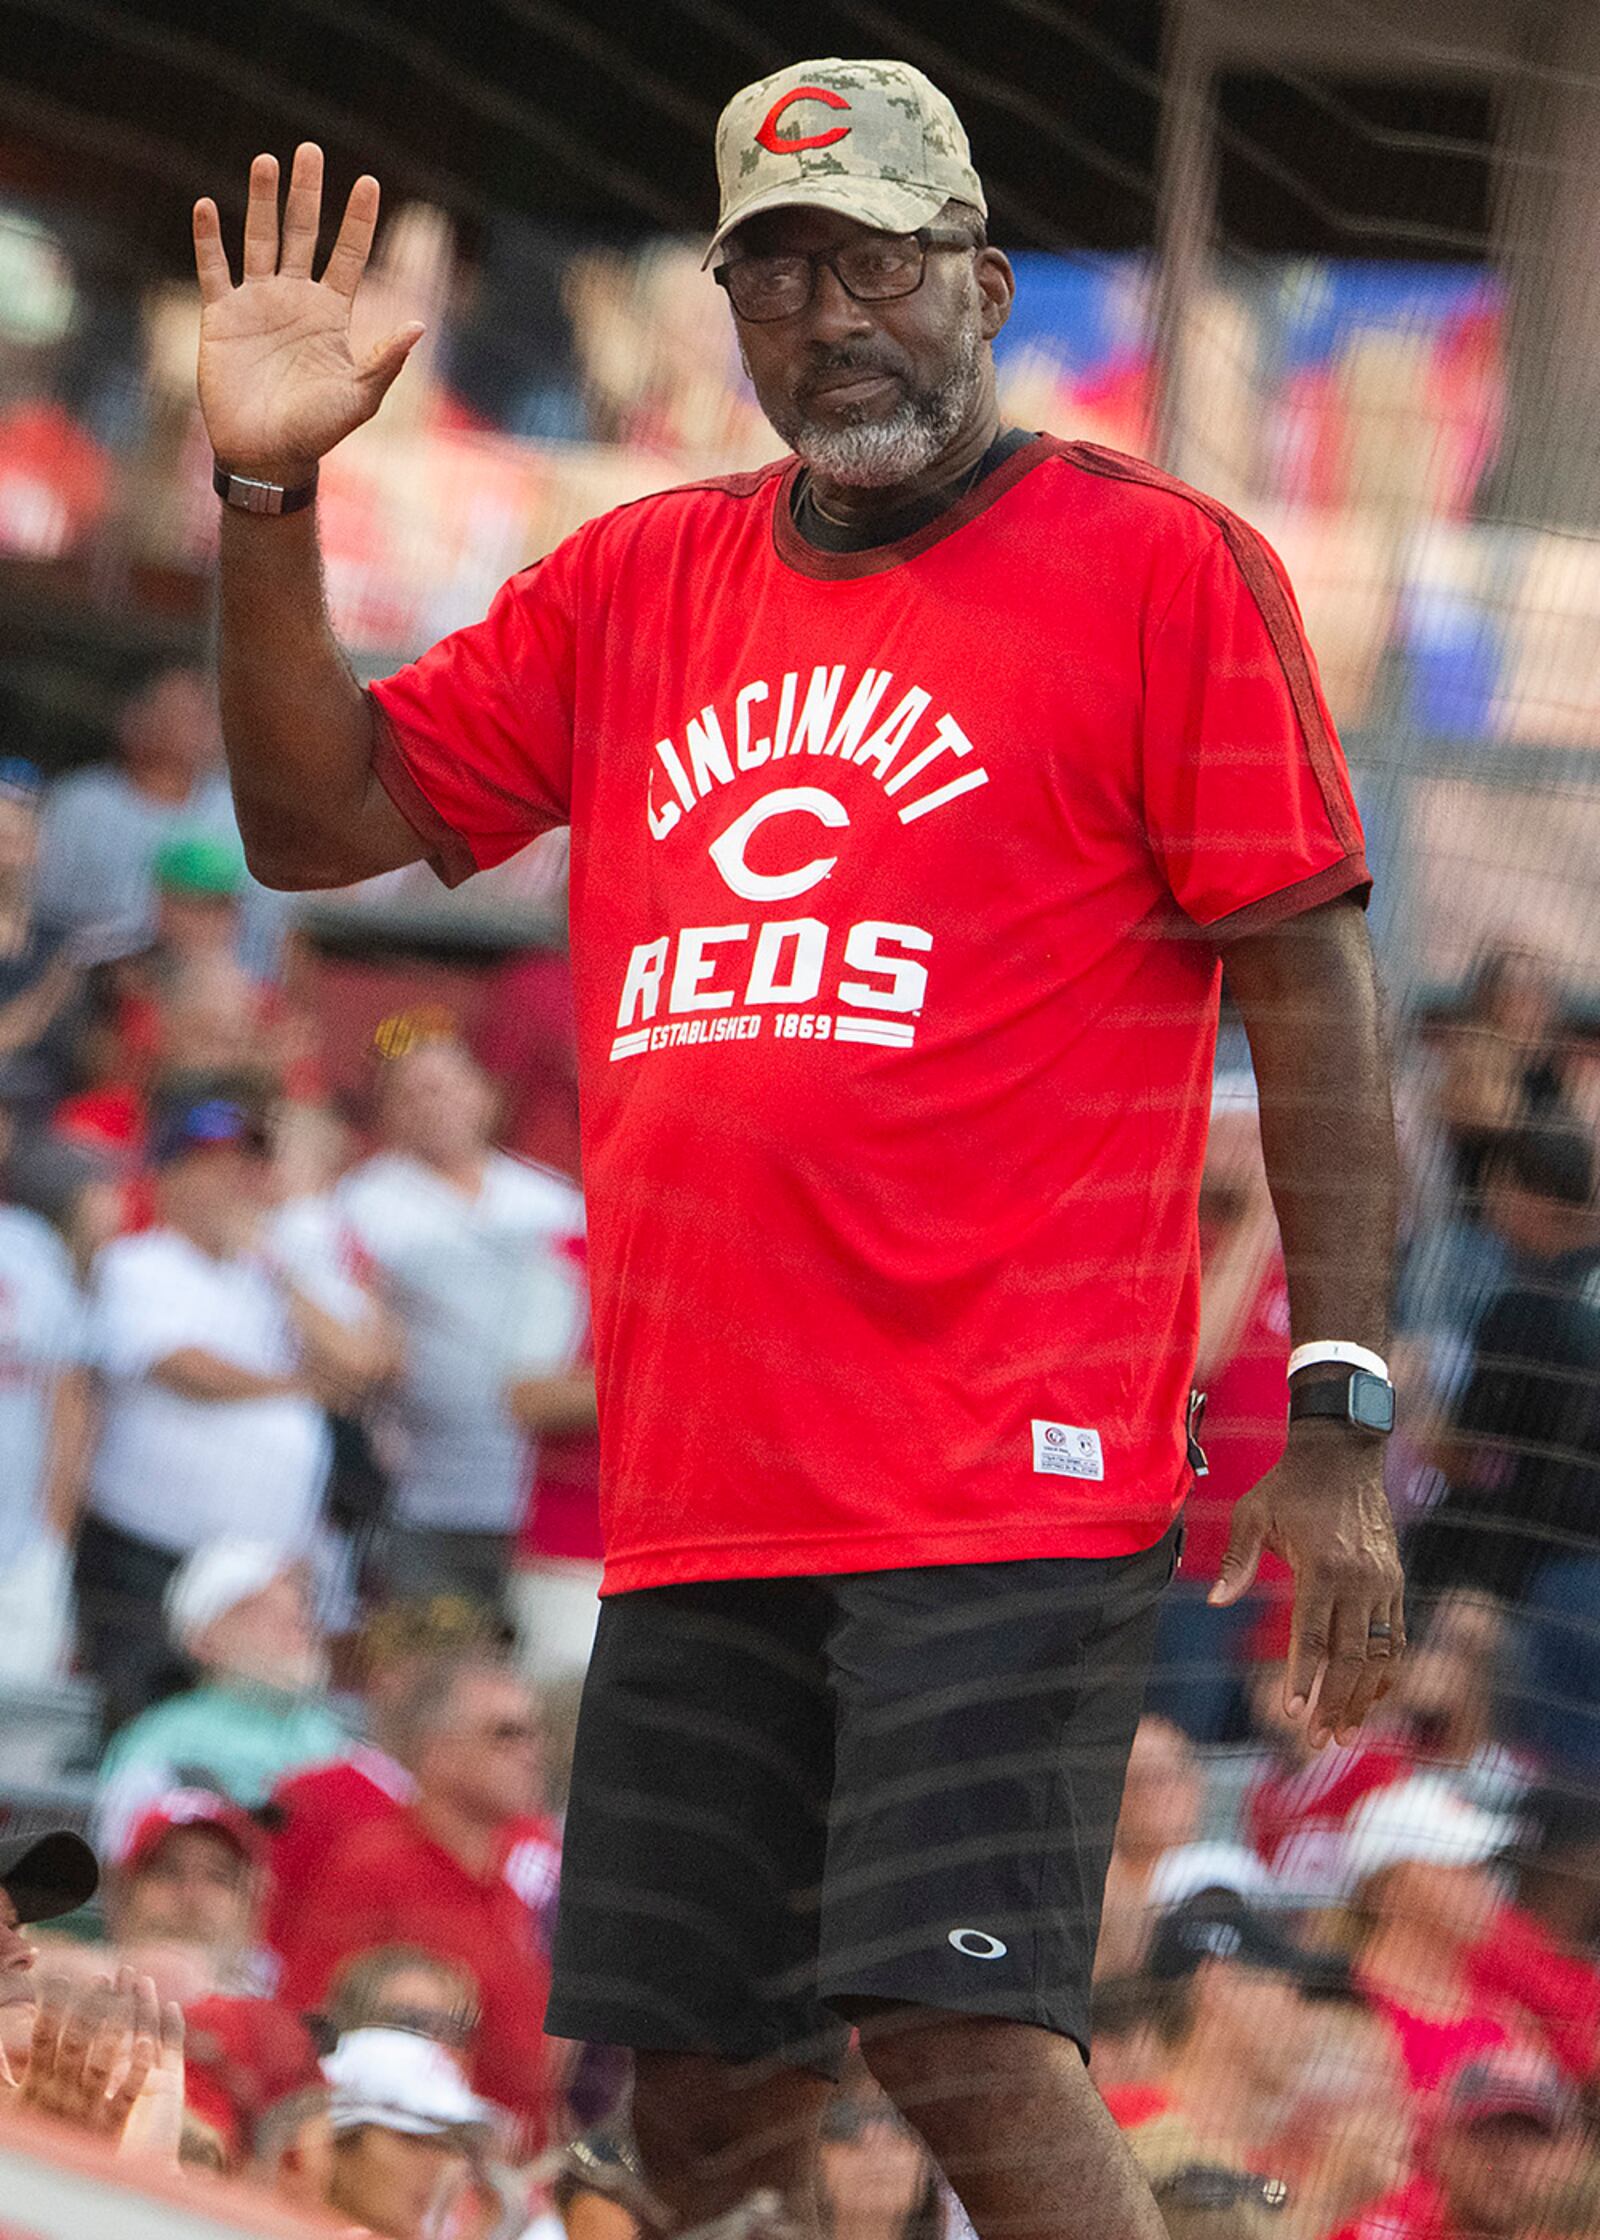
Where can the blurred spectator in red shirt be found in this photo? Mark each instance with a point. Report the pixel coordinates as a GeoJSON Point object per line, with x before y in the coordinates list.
{"type": "Point", "coordinates": [1497, 2161]}
{"type": "Point", "coordinates": [1537, 1954]}
{"type": "Point", "coordinates": [317, 1808]}
{"type": "Point", "coordinates": [1423, 1897]}
{"type": "Point", "coordinates": [1297, 1808]}
{"type": "Point", "coordinates": [55, 480]}
{"type": "Point", "coordinates": [466, 1871]}
{"type": "Point", "coordinates": [1242, 1366]}
{"type": "Point", "coordinates": [254, 2081]}
{"type": "Point", "coordinates": [183, 1895]}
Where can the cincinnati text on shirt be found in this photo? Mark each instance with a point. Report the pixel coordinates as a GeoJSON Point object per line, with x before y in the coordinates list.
{"type": "Point", "coordinates": [766, 726]}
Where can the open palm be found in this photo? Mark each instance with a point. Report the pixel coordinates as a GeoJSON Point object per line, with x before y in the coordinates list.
{"type": "Point", "coordinates": [279, 382]}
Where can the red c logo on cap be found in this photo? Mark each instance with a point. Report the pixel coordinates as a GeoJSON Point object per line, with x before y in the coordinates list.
{"type": "Point", "coordinates": [775, 143]}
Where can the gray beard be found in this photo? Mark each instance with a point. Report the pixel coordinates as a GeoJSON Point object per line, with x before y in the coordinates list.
{"type": "Point", "coordinates": [875, 454]}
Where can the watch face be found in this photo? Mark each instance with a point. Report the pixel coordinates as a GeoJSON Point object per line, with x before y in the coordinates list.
{"type": "Point", "coordinates": [1371, 1401]}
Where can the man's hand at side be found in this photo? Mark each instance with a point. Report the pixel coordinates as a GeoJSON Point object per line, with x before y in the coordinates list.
{"type": "Point", "coordinates": [1308, 995]}
{"type": "Point", "coordinates": [1323, 1509]}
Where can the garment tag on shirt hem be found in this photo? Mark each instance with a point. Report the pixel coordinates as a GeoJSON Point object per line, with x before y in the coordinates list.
{"type": "Point", "coordinates": [1067, 1450]}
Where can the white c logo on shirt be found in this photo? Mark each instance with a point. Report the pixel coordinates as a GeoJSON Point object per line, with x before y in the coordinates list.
{"type": "Point", "coordinates": [727, 852]}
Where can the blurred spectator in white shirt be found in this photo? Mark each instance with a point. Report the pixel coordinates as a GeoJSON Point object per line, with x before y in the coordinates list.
{"type": "Point", "coordinates": [215, 1372]}
{"type": "Point", "coordinates": [467, 1250]}
{"type": "Point", "coordinates": [43, 1435]}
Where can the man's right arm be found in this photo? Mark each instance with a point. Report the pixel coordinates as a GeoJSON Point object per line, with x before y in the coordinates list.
{"type": "Point", "coordinates": [279, 388]}
{"type": "Point", "coordinates": [299, 730]}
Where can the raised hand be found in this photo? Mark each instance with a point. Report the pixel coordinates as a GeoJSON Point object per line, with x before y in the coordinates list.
{"type": "Point", "coordinates": [279, 382]}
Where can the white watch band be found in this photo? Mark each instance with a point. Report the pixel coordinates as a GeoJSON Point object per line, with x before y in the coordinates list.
{"type": "Point", "coordinates": [1341, 1353]}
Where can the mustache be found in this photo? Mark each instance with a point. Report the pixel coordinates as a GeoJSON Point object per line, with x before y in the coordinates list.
{"type": "Point", "coordinates": [846, 358]}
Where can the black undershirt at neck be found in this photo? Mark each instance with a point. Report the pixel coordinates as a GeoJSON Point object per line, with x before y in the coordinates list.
{"type": "Point", "coordinates": [891, 528]}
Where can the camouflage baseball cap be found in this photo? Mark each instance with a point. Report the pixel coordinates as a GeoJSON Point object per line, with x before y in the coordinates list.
{"type": "Point", "coordinates": [876, 141]}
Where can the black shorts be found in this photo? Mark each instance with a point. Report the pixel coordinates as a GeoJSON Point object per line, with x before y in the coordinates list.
{"type": "Point", "coordinates": [791, 1795]}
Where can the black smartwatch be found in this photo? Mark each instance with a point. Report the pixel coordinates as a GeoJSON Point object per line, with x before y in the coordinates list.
{"type": "Point", "coordinates": [1355, 1396]}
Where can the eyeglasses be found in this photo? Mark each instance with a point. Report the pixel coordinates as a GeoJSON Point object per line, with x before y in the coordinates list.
{"type": "Point", "coordinates": [876, 269]}
{"type": "Point", "coordinates": [506, 1734]}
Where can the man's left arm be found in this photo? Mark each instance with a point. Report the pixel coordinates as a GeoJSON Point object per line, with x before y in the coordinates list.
{"type": "Point", "coordinates": [1308, 995]}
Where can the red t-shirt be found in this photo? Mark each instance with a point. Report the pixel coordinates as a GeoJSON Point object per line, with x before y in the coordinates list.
{"type": "Point", "coordinates": [1245, 1431]}
{"type": "Point", "coordinates": [1434, 2047]}
{"type": "Point", "coordinates": [390, 1883]}
{"type": "Point", "coordinates": [1295, 1815]}
{"type": "Point", "coordinates": [1558, 1992]}
{"type": "Point", "coordinates": [319, 1807]}
{"type": "Point", "coordinates": [895, 1061]}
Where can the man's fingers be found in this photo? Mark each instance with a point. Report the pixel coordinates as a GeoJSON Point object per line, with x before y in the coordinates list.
{"type": "Point", "coordinates": [1350, 1681]}
{"type": "Point", "coordinates": [383, 362]}
{"type": "Point", "coordinates": [210, 258]}
{"type": "Point", "coordinates": [171, 2033]}
{"type": "Point", "coordinates": [351, 250]}
{"type": "Point", "coordinates": [1308, 1648]}
{"type": "Point", "coordinates": [1238, 1570]}
{"type": "Point", "coordinates": [1384, 1654]}
{"type": "Point", "coordinates": [1371, 1683]}
{"type": "Point", "coordinates": [261, 220]}
{"type": "Point", "coordinates": [302, 212]}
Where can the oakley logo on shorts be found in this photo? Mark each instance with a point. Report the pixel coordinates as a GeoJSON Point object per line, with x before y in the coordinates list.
{"type": "Point", "coordinates": [977, 1944]}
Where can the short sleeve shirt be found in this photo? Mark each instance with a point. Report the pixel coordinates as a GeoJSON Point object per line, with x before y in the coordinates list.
{"type": "Point", "coordinates": [175, 1471]}
{"type": "Point", "coordinates": [899, 882]}
{"type": "Point", "coordinates": [484, 1292]}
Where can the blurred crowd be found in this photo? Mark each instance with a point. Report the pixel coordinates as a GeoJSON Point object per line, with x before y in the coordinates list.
{"type": "Point", "coordinates": [297, 1480]}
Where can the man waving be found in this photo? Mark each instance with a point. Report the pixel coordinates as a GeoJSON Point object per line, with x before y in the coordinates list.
{"type": "Point", "coordinates": [919, 786]}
